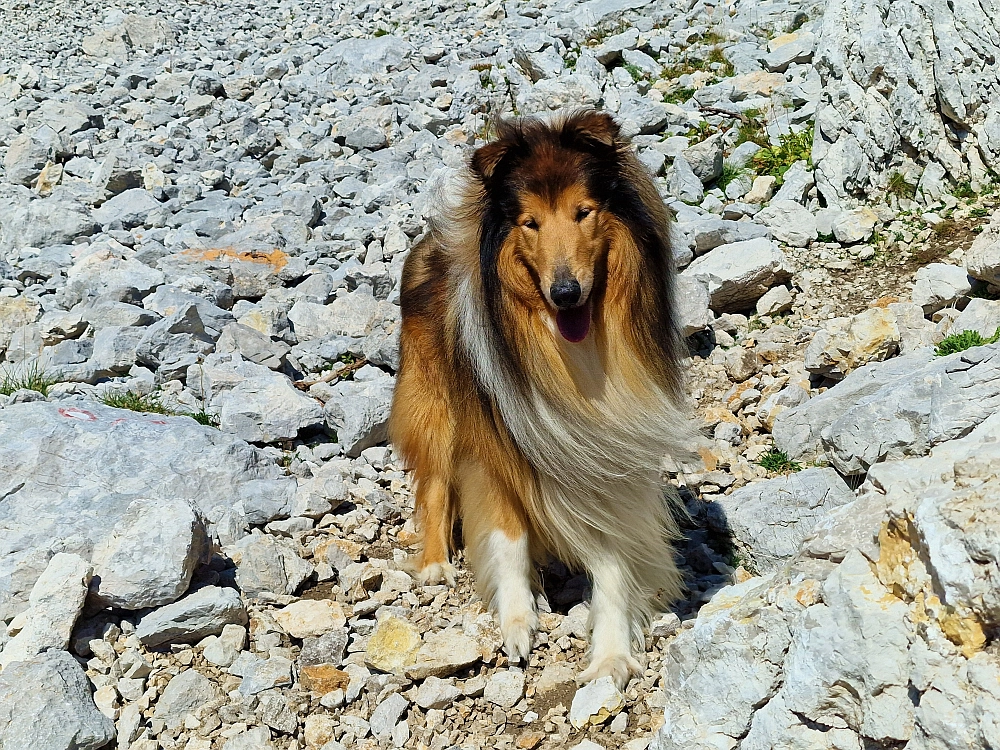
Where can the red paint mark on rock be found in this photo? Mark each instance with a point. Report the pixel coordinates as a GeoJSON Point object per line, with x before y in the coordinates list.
{"type": "Point", "coordinates": [72, 412]}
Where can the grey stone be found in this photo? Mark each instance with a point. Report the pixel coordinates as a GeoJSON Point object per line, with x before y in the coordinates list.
{"type": "Point", "coordinates": [28, 154]}
{"type": "Point", "coordinates": [982, 261]}
{"type": "Point", "coordinates": [175, 341]}
{"type": "Point", "coordinates": [264, 674]}
{"type": "Point", "coordinates": [184, 695]}
{"type": "Point", "coordinates": [738, 274]}
{"type": "Point", "coordinates": [368, 55]}
{"type": "Point", "coordinates": [683, 183]}
{"type": "Point", "coordinates": [202, 613]}
{"type": "Point", "coordinates": [258, 738]}
{"type": "Point", "coordinates": [505, 688]}
{"type": "Point", "coordinates": [981, 316]}
{"type": "Point", "coordinates": [708, 232]}
{"type": "Point", "coordinates": [770, 519]}
{"type": "Point", "coordinates": [150, 555]}
{"type": "Point", "coordinates": [70, 470]}
{"type": "Point", "coordinates": [691, 296]}
{"type": "Point", "coordinates": [705, 159]}
{"type": "Point", "coordinates": [939, 285]}
{"type": "Point", "coordinates": [358, 410]}
{"type": "Point", "coordinates": [639, 114]}
{"type": "Point", "coordinates": [796, 183]}
{"type": "Point", "coordinates": [45, 703]}
{"type": "Point", "coordinates": [789, 222]}
{"type": "Point", "coordinates": [126, 210]}
{"type": "Point", "coordinates": [796, 49]}
{"type": "Point", "coordinates": [387, 714]}
{"type": "Point", "coordinates": [268, 564]}
{"type": "Point", "coordinates": [150, 33]}
{"type": "Point", "coordinates": [252, 345]}
{"type": "Point", "coordinates": [168, 300]}
{"type": "Point", "coordinates": [326, 649]}
{"type": "Point", "coordinates": [54, 604]}
{"type": "Point", "coordinates": [436, 693]}
{"type": "Point", "coordinates": [45, 221]}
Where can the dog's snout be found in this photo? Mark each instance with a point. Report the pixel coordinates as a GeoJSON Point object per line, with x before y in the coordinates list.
{"type": "Point", "coordinates": [565, 292]}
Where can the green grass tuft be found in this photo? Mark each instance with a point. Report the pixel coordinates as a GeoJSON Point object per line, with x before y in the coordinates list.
{"type": "Point", "coordinates": [778, 462]}
{"type": "Point", "coordinates": [959, 342]}
{"type": "Point", "coordinates": [900, 186]}
{"type": "Point", "coordinates": [678, 95]}
{"type": "Point", "coordinates": [203, 417]}
{"type": "Point", "coordinates": [729, 173]}
{"type": "Point", "coordinates": [775, 160]}
{"type": "Point", "coordinates": [141, 402]}
{"type": "Point", "coordinates": [30, 378]}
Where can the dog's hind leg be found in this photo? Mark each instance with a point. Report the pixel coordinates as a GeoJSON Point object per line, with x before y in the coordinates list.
{"type": "Point", "coordinates": [498, 546]}
{"type": "Point", "coordinates": [611, 622]}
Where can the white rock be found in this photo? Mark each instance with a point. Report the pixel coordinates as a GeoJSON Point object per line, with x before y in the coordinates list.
{"type": "Point", "coordinates": [789, 222]}
{"type": "Point", "coordinates": [739, 274]}
{"type": "Point", "coordinates": [150, 555]}
{"type": "Point", "coordinates": [505, 688]}
{"type": "Point", "coordinates": [595, 703]}
{"type": "Point", "coordinates": [940, 285]}
{"type": "Point", "coordinates": [53, 606]}
{"type": "Point", "coordinates": [775, 301]}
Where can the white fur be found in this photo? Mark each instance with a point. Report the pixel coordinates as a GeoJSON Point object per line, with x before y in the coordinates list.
{"type": "Point", "coordinates": [506, 570]}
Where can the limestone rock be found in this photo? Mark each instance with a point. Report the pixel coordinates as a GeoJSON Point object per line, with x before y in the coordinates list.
{"type": "Point", "coordinates": [45, 703]}
{"type": "Point", "coordinates": [595, 703]}
{"type": "Point", "coordinates": [202, 613]}
{"type": "Point", "coordinates": [150, 555]}
{"type": "Point", "coordinates": [739, 274]}
{"type": "Point", "coordinates": [310, 617]}
{"type": "Point", "coordinates": [53, 606]}
{"type": "Point", "coordinates": [392, 646]}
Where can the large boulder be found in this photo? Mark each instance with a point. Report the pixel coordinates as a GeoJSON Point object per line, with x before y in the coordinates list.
{"type": "Point", "coordinates": [876, 637]}
{"type": "Point", "coordinates": [45, 704]}
{"type": "Point", "coordinates": [738, 274]}
{"type": "Point", "coordinates": [69, 472]}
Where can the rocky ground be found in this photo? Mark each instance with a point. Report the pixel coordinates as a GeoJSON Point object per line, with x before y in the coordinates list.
{"type": "Point", "coordinates": [204, 542]}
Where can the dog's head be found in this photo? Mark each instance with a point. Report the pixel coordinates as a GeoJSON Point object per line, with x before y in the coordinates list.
{"type": "Point", "coordinates": [547, 192]}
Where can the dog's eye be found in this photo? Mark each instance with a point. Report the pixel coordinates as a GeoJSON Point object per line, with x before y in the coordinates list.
{"type": "Point", "coordinates": [582, 214]}
{"type": "Point", "coordinates": [531, 224]}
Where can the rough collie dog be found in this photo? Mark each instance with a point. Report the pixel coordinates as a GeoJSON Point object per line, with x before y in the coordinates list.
{"type": "Point", "coordinates": [539, 386]}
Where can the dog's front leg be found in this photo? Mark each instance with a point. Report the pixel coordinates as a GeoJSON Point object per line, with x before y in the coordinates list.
{"type": "Point", "coordinates": [611, 623]}
{"type": "Point", "coordinates": [498, 546]}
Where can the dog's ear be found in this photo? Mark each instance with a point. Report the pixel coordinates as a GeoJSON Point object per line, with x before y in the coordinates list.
{"type": "Point", "coordinates": [486, 159]}
{"type": "Point", "coordinates": [592, 129]}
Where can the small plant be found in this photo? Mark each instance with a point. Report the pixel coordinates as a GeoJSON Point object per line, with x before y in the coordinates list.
{"type": "Point", "coordinates": [30, 378]}
{"type": "Point", "coordinates": [381, 32]}
{"type": "Point", "coordinates": [775, 160]}
{"type": "Point", "coordinates": [635, 72]}
{"type": "Point", "coordinates": [778, 462]}
{"type": "Point", "coordinates": [979, 212]}
{"type": "Point", "coordinates": [716, 56]}
{"type": "Point", "coordinates": [959, 342]}
{"type": "Point", "coordinates": [678, 95]}
{"type": "Point", "coordinates": [729, 173]}
{"type": "Point", "coordinates": [203, 417]}
{"type": "Point", "coordinates": [147, 403]}
{"type": "Point", "coordinates": [900, 186]}
{"type": "Point", "coordinates": [945, 228]}
{"type": "Point", "coordinates": [963, 191]}
{"type": "Point", "coordinates": [751, 129]}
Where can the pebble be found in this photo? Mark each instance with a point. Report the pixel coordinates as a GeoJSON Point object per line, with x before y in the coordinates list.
{"type": "Point", "coordinates": [595, 703]}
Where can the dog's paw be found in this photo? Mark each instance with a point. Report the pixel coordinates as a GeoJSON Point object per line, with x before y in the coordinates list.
{"type": "Point", "coordinates": [619, 667]}
{"type": "Point", "coordinates": [517, 635]}
{"type": "Point", "coordinates": [435, 573]}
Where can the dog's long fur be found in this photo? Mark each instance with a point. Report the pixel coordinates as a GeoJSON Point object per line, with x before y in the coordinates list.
{"type": "Point", "coordinates": [539, 444]}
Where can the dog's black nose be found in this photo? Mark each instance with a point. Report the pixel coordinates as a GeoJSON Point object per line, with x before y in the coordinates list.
{"type": "Point", "coordinates": [565, 293]}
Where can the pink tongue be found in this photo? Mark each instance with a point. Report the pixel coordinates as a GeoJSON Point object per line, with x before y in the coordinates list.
{"type": "Point", "coordinates": [574, 324]}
